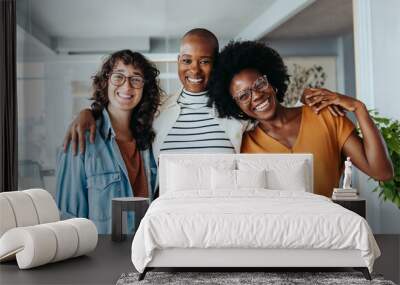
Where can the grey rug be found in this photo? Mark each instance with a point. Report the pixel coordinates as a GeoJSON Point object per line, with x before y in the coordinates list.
{"type": "Point", "coordinates": [230, 278]}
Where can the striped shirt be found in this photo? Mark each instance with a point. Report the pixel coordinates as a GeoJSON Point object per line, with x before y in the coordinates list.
{"type": "Point", "coordinates": [196, 130]}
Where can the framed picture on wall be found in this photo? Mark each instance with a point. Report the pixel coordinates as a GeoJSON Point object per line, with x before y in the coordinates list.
{"type": "Point", "coordinates": [305, 72]}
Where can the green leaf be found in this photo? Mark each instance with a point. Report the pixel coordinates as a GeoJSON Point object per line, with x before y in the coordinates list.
{"type": "Point", "coordinates": [390, 130]}
{"type": "Point", "coordinates": [385, 121]}
{"type": "Point", "coordinates": [397, 201]}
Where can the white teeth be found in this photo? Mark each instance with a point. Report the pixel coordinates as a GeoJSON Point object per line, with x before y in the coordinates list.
{"type": "Point", "coordinates": [195, 80]}
{"type": "Point", "coordinates": [124, 96]}
{"type": "Point", "coordinates": [262, 106]}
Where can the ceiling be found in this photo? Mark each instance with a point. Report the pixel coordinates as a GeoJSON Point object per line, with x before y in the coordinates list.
{"type": "Point", "coordinates": [137, 18]}
{"type": "Point", "coordinates": [99, 26]}
{"type": "Point", "coordinates": [323, 18]}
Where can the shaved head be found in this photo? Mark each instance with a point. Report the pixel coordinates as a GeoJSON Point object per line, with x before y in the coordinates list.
{"type": "Point", "coordinates": [204, 34]}
{"type": "Point", "coordinates": [197, 54]}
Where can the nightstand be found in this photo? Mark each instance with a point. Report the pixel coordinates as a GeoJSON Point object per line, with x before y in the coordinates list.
{"type": "Point", "coordinates": [358, 205]}
{"type": "Point", "coordinates": [137, 204]}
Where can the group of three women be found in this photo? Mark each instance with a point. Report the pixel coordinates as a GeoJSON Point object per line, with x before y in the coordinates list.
{"type": "Point", "coordinates": [230, 103]}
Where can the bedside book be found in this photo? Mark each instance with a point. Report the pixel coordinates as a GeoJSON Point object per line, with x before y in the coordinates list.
{"type": "Point", "coordinates": [345, 197]}
{"type": "Point", "coordinates": [342, 190]}
{"type": "Point", "coordinates": [340, 193]}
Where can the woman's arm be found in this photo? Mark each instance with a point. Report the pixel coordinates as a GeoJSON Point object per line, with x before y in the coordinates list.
{"type": "Point", "coordinates": [71, 186]}
{"type": "Point", "coordinates": [368, 153]}
{"type": "Point", "coordinates": [76, 131]}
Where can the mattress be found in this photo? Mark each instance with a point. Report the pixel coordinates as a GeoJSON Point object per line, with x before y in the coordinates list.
{"type": "Point", "coordinates": [251, 219]}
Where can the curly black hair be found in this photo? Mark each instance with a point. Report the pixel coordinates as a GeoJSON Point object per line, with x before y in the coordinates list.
{"type": "Point", "coordinates": [144, 112]}
{"type": "Point", "coordinates": [235, 57]}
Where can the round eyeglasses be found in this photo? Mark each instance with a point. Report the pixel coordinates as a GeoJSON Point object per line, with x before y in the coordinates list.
{"type": "Point", "coordinates": [244, 96]}
{"type": "Point", "coordinates": [118, 79]}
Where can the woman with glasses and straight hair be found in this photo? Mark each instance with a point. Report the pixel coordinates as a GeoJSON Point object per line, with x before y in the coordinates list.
{"type": "Point", "coordinates": [119, 163]}
{"type": "Point", "coordinates": [249, 83]}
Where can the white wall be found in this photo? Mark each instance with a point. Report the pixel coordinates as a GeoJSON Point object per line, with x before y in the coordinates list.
{"type": "Point", "coordinates": [386, 56]}
{"type": "Point", "coordinates": [377, 47]}
{"type": "Point", "coordinates": [386, 63]}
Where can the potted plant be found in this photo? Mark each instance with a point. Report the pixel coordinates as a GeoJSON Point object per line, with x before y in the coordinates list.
{"type": "Point", "coordinates": [390, 130]}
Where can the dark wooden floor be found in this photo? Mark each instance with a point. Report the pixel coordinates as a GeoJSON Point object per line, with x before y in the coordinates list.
{"type": "Point", "coordinates": [389, 262]}
{"type": "Point", "coordinates": [110, 260]}
{"type": "Point", "coordinates": [102, 266]}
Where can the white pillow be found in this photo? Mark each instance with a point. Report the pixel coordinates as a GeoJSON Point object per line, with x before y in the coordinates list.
{"type": "Point", "coordinates": [181, 178]}
{"type": "Point", "coordinates": [226, 179]}
{"type": "Point", "coordinates": [251, 178]}
{"type": "Point", "coordinates": [292, 179]}
{"type": "Point", "coordinates": [280, 174]}
{"type": "Point", "coordinates": [223, 179]}
{"type": "Point", "coordinates": [188, 172]}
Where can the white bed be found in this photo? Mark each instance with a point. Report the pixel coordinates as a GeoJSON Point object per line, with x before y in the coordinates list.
{"type": "Point", "coordinates": [204, 221]}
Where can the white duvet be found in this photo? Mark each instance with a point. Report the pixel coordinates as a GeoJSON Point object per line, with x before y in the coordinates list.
{"type": "Point", "coordinates": [250, 219]}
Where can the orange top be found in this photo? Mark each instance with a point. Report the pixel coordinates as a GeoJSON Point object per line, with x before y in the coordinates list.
{"type": "Point", "coordinates": [322, 135]}
{"type": "Point", "coordinates": [135, 167]}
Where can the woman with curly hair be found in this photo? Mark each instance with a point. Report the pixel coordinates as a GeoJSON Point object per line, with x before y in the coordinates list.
{"type": "Point", "coordinates": [119, 163]}
{"type": "Point", "coordinates": [249, 83]}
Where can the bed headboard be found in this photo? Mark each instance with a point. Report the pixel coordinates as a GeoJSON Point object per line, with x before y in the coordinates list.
{"type": "Point", "coordinates": [234, 161]}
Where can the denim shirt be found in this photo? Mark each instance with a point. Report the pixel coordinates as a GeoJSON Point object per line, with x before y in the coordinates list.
{"type": "Point", "coordinates": [86, 183]}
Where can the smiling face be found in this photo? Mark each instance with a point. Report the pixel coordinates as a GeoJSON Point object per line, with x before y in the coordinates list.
{"type": "Point", "coordinates": [195, 63]}
{"type": "Point", "coordinates": [263, 103]}
{"type": "Point", "coordinates": [124, 97]}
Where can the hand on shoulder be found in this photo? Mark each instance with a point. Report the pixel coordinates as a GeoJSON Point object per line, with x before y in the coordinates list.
{"type": "Point", "coordinates": [337, 104]}
{"type": "Point", "coordinates": [76, 131]}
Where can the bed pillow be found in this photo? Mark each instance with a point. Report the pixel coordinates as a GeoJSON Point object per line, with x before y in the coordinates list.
{"type": "Point", "coordinates": [293, 179]}
{"type": "Point", "coordinates": [179, 172]}
{"type": "Point", "coordinates": [251, 178]}
{"type": "Point", "coordinates": [223, 179]}
{"type": "Point", "coordinates": [226, 179]}
{"type": "Point", "coordinates": [181, 177]}
{"type": "Point", "coordinates": [280, 174]}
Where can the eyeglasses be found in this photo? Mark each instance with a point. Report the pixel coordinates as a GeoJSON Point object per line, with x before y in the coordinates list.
{"type": "Point", "coordinates": [245, 96]}
{"type": "Point", "coordinates": [118, 79]}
